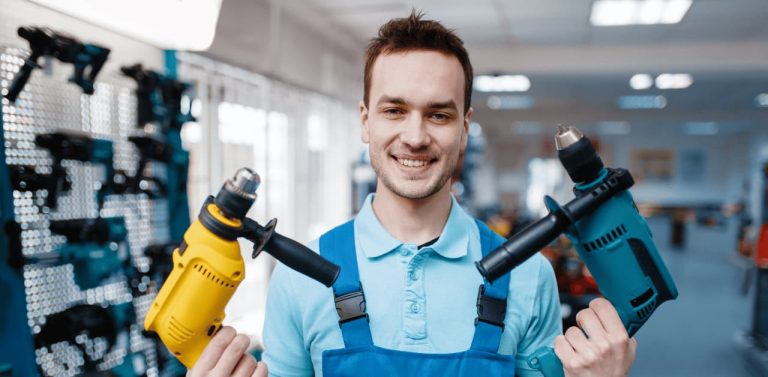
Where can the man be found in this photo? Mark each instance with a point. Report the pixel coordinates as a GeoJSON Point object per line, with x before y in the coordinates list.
{"type": "Point", "coordinates": [410, 253]}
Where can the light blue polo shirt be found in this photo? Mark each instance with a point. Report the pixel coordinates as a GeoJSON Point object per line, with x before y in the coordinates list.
{"type": "Point", "coordinates": [418, 299]}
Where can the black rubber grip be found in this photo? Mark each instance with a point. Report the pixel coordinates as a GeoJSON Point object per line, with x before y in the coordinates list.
{"type": "Point", "coordinates": [302, 259]}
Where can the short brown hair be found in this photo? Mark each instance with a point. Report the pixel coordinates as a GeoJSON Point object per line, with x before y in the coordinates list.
{"type": "Point", "coordinates": [413, 33]}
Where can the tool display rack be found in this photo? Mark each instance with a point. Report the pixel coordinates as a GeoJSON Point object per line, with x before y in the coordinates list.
{"type": "Point", "coordinates": [47, 104]}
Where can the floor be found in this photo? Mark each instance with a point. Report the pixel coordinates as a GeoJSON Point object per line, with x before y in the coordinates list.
{"type": "Point", "coordinates": [697, 334]}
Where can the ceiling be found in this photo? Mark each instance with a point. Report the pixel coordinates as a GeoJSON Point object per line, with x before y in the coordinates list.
{"type": "Point", "coordinates": [551, 22]}
{"type": "Point", "coordinates": [577, 71]}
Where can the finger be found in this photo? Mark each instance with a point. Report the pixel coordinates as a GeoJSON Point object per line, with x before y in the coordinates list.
{"type": "Point", "coordinates": [590, 323]}
{"type": "Point", "coordinates": [245, 367]}
{"type": "Point", "coordinates": [608, 315]}
{"type": "Point", "coordinates": [213, 351]}
{"type": "Point", "coordinates": [563, 349]}
{"type": "Point", "coordinates": [632, 349]}
{"type": "Point", "coordinates": [231, 356]}
{"type": "Point", "coordinates": [579, 342]}
{"type": "Point", "coordinates": [261, 370]}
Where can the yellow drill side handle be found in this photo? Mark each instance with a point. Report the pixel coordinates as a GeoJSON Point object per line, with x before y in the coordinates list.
{"type": "Point", "coordinates": [189, 308]}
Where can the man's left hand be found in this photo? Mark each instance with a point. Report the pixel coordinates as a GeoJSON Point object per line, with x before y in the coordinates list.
{"type": "Point", "coordinates": [599, 347]}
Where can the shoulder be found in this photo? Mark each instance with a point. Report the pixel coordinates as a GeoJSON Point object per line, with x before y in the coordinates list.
{"type": "Point", "coordinates": [537, 268]}
{"type": "Point", "coordinates": [535, 275]}
{"type": "Point", "coordinates": [295, 283]}
{"type": "Point", "coordinates": [533, 280]}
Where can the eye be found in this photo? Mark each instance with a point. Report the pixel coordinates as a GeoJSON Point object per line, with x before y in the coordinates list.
{"type": "Point", "coordinates": [441, 117]}
{"type": "Point", "coordinates": [391, 112]}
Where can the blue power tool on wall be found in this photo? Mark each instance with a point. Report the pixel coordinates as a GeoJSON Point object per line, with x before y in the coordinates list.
{"type": "Point", "coordinates": [608, 232]}
{"type": "Point", "coordinates": [88, 59]}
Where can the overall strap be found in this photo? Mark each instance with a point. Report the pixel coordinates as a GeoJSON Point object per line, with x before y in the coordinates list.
{"type": "Point", "coordinates": [491, 299]}
{"type": "Point", "coordinates": [338, 246]}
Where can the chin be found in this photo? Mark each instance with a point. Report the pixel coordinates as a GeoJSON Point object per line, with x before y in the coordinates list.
{"type": "Point", "coordinates": [413, 190]}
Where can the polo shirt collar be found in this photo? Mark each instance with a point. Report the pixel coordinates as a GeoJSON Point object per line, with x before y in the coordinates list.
{"type": "Point", "coordinates": [376, 241]}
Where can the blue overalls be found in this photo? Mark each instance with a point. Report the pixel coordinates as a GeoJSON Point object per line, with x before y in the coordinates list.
{"type": "Point", "coordinates": [360, 357]}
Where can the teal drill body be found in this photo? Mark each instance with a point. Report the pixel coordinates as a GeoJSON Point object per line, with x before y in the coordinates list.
{"type": "Point", "coordinates": [616, 245]}
{"type": "Point", "coordinates": [609, 234]}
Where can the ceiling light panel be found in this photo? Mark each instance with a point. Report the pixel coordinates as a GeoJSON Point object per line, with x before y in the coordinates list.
{"type": "Point", "coordinates": [761, 100]}
{"type": "Point", "coordinates": [167, 24]}
{"type": "Point", "coordinates": [701, 128]}
{"type": "Point", "coordinates": [510, 102]}
{"type": "Point", "coordinates": [614, 128]}
{"type": "Point", "coordinates": [502, 83]}
{"type": "Point", "coordinates": [673, 81]}
{"type": "Point", "coordinates": [638, 12]}
{"type": "Point", "coordinates": [641, 81]}
{"type": "Point", "coordinates": [642, 102]}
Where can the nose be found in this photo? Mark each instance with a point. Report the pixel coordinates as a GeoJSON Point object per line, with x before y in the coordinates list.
{"type": "Point", "coordinates": [414, 133]}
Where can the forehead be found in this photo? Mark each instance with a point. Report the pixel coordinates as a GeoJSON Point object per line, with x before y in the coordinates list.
{"type": "Point", "coordinates": [418, 76]}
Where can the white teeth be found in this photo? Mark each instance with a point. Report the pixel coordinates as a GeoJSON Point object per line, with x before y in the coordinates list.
{"type": "Point", "coordinates": [411, 163]}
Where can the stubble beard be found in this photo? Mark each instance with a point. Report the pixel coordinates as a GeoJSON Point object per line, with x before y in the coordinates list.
{"type": "Point", "coordinates": [430, 188]}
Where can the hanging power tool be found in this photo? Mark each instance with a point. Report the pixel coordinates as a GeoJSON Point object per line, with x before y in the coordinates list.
{"type": "Point", "coordinates": [208, 267]}
{"type": "Point", "coordinates": [46, 42]}
{"type": "Point", "coordinates": [25, 178]}
{"type": "Point", "coordinates": [609, 234]}
{"type": "Point", "coordinates": [93, 249]}
{"type": "Point", "coordinates": [161, 256]}
{"type": "Point", "coordinates": [150, 149]}
{"type": "Point", "coordinates": [80, 325]}
{"type": "Point", "coordinates": [67, 145]}
{"type": "Point", "coordinates": [159, 100]}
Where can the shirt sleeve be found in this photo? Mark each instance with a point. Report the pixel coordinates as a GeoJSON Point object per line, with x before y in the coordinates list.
{"type": "Point", "coordinates": [284, 350]}
{"type": "Point", "coordinates": [546, 322]}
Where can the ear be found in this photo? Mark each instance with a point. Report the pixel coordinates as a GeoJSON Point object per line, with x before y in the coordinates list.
{"type": "Point", "coordinates": [465, 129]}
{"type": "Point", "coordinates": [364, 135]}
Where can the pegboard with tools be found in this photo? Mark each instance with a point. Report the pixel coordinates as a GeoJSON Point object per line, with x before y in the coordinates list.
{"type": "Point", "coordinates": [90, 227]}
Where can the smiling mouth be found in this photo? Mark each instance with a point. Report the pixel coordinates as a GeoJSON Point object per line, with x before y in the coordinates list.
{"type": "Point", "coordinates": [413, 163]}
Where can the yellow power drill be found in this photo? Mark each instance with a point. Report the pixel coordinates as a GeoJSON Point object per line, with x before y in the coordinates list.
{"type": "Point", "coordinates": [208, 267]}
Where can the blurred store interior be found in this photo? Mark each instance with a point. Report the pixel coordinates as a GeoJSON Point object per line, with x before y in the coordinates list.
{"type": "Point", "coordinates": [675, 91]}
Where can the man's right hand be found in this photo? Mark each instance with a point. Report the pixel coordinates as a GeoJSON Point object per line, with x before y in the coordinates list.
{"type": "Point", "coordinates": [226, 355]}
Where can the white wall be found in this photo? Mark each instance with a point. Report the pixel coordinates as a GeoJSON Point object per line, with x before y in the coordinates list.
{"type": "Point", "coordinates": [727, 166]}
{"type": "Point", "coordinates": [267, 37]}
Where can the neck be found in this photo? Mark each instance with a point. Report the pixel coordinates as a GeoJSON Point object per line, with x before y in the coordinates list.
{"type": "Point", "coordinates": [414, 221]}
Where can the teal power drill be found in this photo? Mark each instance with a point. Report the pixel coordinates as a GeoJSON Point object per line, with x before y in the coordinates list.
{"type": "Point", "coordinates": [608, 232]}
{"type": "Point", "coordinates": [88, 59]}
{"type": "Point", "coordinates": [96, 248]}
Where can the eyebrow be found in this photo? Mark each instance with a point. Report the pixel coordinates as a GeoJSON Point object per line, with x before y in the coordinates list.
{"type": "Point", "coordinates": [450, 104]}
{"type": "Point", "coordinates": [394, 100]}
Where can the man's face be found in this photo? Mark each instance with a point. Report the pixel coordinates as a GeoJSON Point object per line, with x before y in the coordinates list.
{"type": "Point", "coordinates": [414, 123]}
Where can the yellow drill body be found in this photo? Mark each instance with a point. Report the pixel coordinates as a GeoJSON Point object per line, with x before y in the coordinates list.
{"type": "Point", "coordinates": [189, 308]}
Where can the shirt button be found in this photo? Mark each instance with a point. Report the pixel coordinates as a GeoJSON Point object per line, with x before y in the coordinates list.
{"type": "Point", "coordinates": [413, 276]}
{"type": "Point", "coordinates": [415, 308]}
{"type": "Point", "coordinates": [405, 252]}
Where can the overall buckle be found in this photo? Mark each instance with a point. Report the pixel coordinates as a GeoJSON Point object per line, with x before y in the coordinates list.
{"type": "Point", "coordinates": [350, 306]}
{"type": "Point", "coordinates": [490, 310]}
